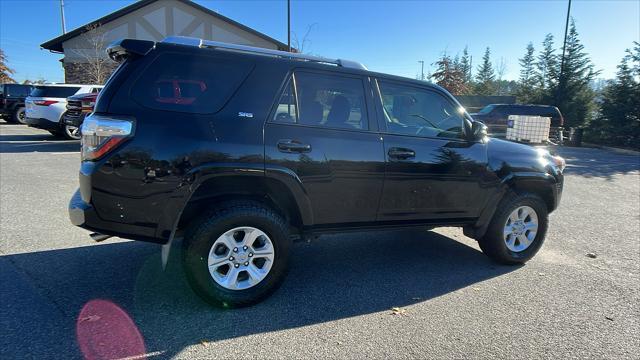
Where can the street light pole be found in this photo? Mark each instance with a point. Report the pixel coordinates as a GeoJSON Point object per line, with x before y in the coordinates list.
{"type": "Point", "coordinates": [289, 25]}
{"type": "Point", "coordinates": [64, 27]}
{"type": "Point", "coordinates": [564, 45]}
{"type": "Point", "coordinates": [422, 69]}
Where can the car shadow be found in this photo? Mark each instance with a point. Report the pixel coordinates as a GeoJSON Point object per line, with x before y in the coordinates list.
{"type": "Point", "coordinates": [20, 143]}
{"type": "Point", "coordinates": [334, 277]}
{"type": "Point", "coordinates": [590, 162]}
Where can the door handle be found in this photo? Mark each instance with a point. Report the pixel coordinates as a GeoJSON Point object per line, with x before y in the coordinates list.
{"type": "Point", "coordinates": [293, 146]}
{"type": "Point", "coordinates": [401, 153]}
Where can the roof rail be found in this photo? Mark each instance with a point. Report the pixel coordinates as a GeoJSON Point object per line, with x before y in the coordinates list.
{"type": "Point", "coordinates": [190, 41]}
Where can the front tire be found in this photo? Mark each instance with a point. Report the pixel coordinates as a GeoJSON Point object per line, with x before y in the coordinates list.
{"type": "Point", "coordinates": [70, 132]}
{"type": "Point", "coordinates": [236, 255]}
{"type": "Point", "coordinates": [517, 230]}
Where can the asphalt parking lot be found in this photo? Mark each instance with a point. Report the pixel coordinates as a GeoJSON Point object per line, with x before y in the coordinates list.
{"type": "Point", "coordinates": [337, 300]}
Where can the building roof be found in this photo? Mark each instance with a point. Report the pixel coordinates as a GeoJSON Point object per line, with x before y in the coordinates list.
{"type": "Point", "coordinates": [56, 43]}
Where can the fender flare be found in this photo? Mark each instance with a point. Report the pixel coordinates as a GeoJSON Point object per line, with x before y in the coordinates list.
{"type": "Point", "coordinates": [507, 183]}
{"type": "Point", "coordinates": [196, 177]}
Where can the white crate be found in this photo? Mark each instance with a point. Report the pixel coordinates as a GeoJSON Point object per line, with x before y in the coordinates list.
{"type": "Point", "coordinates": [533, 129]}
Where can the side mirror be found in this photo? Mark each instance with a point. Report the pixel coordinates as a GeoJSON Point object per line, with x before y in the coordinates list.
{"type": "Point", "coordinates": [478, 131]}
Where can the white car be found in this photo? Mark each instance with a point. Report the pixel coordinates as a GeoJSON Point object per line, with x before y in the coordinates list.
{"type": "Point", "coordinates": [47, 103]}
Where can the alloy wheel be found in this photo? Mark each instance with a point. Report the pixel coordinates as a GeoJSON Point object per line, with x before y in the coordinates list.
{"type": "Point", "coordinates": [520, 228]}
{"type": "Point", "coordinates": [241, 258]}
{"type": "Point", "coordinates": [72, 132]}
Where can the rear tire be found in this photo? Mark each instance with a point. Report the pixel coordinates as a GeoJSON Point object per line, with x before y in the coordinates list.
{"type": "Point", "coordinates": [232, 284]}
{"type": "Point", "coordinates": [19, 115]}
{"type": "Point", "coordinates": [514, 242]}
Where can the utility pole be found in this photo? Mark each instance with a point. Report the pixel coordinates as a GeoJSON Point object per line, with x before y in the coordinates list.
{"type": "Point", "coordinates": [421, 71]}
{"type": "Point", "coordinates": [564, 45]}
{"type": "Point", "coordinates": [64, 27]}
{"type": "Point", "coordinates": [289, 25]}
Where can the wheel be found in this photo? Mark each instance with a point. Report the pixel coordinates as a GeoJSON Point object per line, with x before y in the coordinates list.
{"type": "Point", "coordinates": [70, 132]}
{"type": "Point", "coordinates": [517, 230]}
{"type": "Point", "coordinates": [236, 255]}
{"type": "Point", "coordinates": [19, 115]}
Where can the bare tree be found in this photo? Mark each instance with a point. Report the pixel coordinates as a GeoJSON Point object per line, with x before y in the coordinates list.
{"type": "Point", "coordinates": [93, 61]}
{"type": "Point", "coordinates": [302, 46]}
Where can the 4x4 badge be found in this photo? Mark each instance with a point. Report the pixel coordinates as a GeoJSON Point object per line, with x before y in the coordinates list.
{"type": "Point", "coordinates": [245, 114]}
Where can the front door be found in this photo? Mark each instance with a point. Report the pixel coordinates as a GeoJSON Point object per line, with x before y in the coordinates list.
{"type": "Point", "coordinates": [320, 132]}
{"type": "Point", "coordinates": [432, 171]}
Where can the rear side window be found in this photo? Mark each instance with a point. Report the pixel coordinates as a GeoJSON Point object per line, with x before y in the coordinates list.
{"type": "Point", "coordinates": [193, 84]}
{"type": "Point", "coordinates": [54, 91]}
{"type": "Point", "coordinates": [18, 90]}
{"type": "Point", "coordinates": [333, 101]}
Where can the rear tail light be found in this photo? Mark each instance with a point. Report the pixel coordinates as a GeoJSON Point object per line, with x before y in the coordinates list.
{"type": "Point", "coordinates": [44, 102]}
{"type": "Point", "coordinates": [101, 134]}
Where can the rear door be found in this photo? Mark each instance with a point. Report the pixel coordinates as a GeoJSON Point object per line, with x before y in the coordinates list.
{"type": "Point", "coordinates": [321, 133]}
{"type": "Point", "coordinates": [432, 172]}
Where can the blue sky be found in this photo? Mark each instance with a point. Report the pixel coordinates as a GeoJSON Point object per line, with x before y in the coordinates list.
{"type": "Point", "coordinates": [387, 36]}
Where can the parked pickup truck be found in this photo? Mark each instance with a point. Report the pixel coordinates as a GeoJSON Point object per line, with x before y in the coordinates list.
{"type": "Point", "coordinates": [78, 107]}
{"type": "Point", "coordinates": [237, 150]}
{"type": "Point", "coordinates": [496, 117]}
{"type": "Point", "coordinates": [12, 101]}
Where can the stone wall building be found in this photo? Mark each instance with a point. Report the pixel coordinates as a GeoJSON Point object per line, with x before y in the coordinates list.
{"type": "Point", "coordinates": [85, 60]}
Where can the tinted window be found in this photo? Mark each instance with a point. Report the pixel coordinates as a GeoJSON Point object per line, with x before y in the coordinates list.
{"type": "Point", "coordinates": [485, 110]}
{"type": "Point", "coordinates": [194, 83]}
{"type": "Point", "coordinates": [54, 91]}
{"type": "Point", "coordinates": [414, 111]}
{"type": "Point", "coordinates": [18, 90]}
{"type": "Point", "coordinates": [286, 110]}
{"type": "Point", "coordinates": [331, 100]}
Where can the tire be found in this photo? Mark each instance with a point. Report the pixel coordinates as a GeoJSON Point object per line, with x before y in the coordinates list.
{"type": "Point", "coordinates": [19, 115]}
{"type": "Point", "coordinates": [234, 218]}
{"type": "Point", "coordinates": [509, 249]}
{"type": "Point", "coordinates": [70, 132]}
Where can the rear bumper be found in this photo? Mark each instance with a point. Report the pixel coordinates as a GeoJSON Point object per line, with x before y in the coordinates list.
{"type": "Point", "coordinates": [82, 214]}
{"type": "Point", "coordinates": [42, 124]}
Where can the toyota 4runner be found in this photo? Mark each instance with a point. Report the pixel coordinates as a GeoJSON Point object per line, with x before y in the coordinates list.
{"type": "Point", "coordinates": [237, 150]}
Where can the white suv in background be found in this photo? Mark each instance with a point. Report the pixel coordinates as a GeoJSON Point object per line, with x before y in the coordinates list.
{"type": "Point", "coordinates": [47, 103]}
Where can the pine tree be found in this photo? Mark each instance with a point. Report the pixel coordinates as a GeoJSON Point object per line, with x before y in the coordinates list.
{"type": "Point", "coordinates": [546, 69]}
{"type": "Point", "coordinates": [465, 64]}
{"type": "Point", "coordinates": [5, 70]}
{"type": "Point", "coordinates": [618, 122]}
{"type": "Point", "coordinates": [572, 93]}
{"type": "Point", "coordinates": [526, 83]}
{"type": "Point", "coordinates": [485, 76]}
{"type": "Point", "coordinates": [449, 75]}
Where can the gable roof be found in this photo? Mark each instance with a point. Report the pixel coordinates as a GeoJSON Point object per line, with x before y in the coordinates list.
{"type": "Point", "coordinates": [56, 43]}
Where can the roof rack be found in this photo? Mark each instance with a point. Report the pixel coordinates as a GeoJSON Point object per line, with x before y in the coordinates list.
{"type": "Point", "coordinates": [190, 41]}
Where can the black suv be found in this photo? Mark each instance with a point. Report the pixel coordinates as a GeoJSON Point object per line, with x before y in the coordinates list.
{"type": "Point", "coordinates": [496, 117]}
{"type": "Point", "coordinates": [238, 150]}
{"type": "Point", "coordinates": [12, 101]}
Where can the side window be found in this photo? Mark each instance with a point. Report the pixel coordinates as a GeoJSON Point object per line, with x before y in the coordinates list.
{"type": "Point", "coordinates": [331, 101]}
{"type": "Point", "coordinates": [414, 111]}
{"type": "Point", "coordinates": [287, 111]}
{"type": "Point", "coordinates": [193, 84]}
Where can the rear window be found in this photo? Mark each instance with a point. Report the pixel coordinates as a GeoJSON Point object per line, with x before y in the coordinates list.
{"type": "Point", "coordinates": [18, 90]}
{"type": "Point", "coordinates": [194, 84]}
{"type": "Point", "coordinates": [54, 91]}
{"type": "Point", "coordinates": [487, 109]}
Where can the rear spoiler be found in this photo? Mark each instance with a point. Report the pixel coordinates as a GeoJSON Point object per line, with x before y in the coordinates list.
{"type": "Point", "coordinates": [124, 48]}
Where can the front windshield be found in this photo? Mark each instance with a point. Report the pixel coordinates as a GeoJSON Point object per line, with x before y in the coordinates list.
{"type": "Point", "coordinates": [487, 109]}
